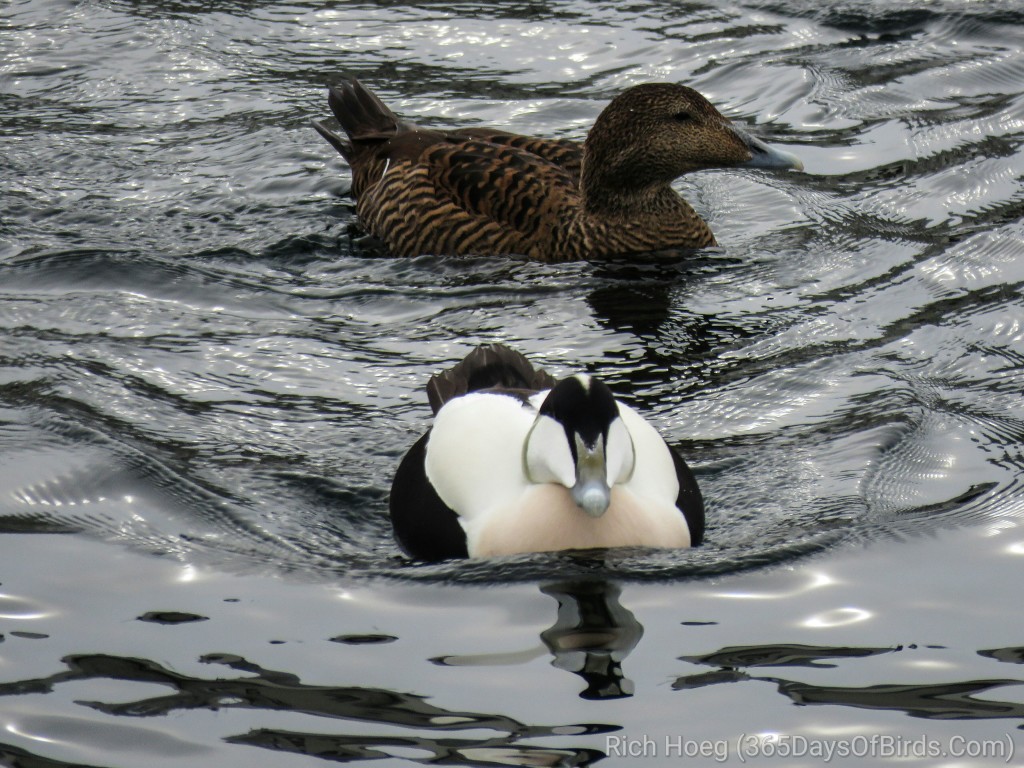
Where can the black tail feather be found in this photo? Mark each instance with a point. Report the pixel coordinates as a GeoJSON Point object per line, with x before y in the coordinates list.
{"type": "Point", "coordinates": [362, 116]}
{"type": "Point", "coordinates": [493, 366]}
{"type": "Point", "coordinates": [360, 113]}
{"type": "Point", "coordinates": [334, 139]}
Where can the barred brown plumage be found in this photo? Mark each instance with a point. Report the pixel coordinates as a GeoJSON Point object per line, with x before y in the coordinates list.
{"type": "Point", "coordinates": [484, 191]}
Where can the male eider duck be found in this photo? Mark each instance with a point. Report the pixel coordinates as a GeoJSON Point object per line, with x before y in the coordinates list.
{"type": "Point", "coordinates": [483, 191]}
{"type": "Point", "coordinates": [519, 462]}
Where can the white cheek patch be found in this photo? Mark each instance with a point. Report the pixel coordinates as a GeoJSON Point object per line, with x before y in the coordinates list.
{"type": "Point", "coordinates": [547, 457]}
{"type": "Point", "coordinates": [619, 453]}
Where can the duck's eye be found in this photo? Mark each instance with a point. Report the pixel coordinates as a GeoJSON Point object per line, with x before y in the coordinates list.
{"type": "Point", "coordinates": [682, 117]}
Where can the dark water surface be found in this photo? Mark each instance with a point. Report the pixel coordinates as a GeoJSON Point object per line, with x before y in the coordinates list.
{"type": "Point", "coordinates": [205, 388]}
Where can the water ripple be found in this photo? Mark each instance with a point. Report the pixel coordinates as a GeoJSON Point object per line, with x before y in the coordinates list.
{"type": "Point", "coordinates": [187, 322]}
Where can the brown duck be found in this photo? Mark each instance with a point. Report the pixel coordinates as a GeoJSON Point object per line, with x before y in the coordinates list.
{"type": "Point", "coordinates": [484, 191]}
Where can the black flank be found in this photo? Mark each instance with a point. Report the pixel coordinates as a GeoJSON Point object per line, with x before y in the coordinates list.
{"type": "Point", "coordinates": [689, 501]}
{"type": "Point", "coordinates": [425, 528]}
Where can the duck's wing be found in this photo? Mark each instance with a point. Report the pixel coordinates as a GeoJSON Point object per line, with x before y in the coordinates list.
{"type": "Point", "coordinates": [422, 192]}
{"type": "Point", "coordinates": [504, 184]}
{"type": "Point", "coordinates": [488, 367]}
{"type": "Point", "coordinates": [461, 197]}
{"type": "Point", "coordinates": [564, 153]}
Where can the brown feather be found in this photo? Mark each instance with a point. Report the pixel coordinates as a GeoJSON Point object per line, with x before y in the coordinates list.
{"type": "Point", "coordinates": [487, 368]}
{"type": "Point", "coordinates": [487, 191]}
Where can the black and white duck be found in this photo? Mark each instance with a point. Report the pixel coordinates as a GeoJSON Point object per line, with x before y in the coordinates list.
{"type": "Point", "coordinates": [517, 461]}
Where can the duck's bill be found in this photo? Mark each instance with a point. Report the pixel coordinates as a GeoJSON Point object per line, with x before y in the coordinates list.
{"type": "Point", "coordinates": [591, 492]}
{"type": "Point", "coordinates": [763, 156]}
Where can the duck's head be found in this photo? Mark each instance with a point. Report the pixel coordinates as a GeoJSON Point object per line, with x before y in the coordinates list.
{"type": "Point", "coordinates": [579, 441]}
{"type": "Point", "coordinates": [651, 134]}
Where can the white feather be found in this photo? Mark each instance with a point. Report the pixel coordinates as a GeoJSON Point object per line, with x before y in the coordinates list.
{"type": "Point", "coordinates": [654, 472]}
{"type": "Point", "coordinates": [619, 452]}
{"type": "Point", "coordinates": [547, 454]}
{"type": "Point", "coordinates": [474, 456]}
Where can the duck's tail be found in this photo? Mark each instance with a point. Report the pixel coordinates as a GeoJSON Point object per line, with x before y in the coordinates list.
{"type": "Point", "coordinates": [362, 116]}
{"type": "Point", "coordinates": [493, 366]}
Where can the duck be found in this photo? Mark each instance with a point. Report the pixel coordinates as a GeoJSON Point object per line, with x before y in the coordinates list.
{"type": "Point", "coordinates": [483, 191]}
{"type": "Point", "coordinates": [518, 462]}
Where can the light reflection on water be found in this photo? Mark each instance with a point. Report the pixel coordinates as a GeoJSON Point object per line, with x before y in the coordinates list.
{"type": "Point", "coordinates": [554, 661]}
{"type": "Point", "coordinates": [204, 376]}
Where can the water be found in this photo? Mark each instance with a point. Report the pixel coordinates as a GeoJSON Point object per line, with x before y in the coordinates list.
{"type": "Point", "coordinates": [206, 388]}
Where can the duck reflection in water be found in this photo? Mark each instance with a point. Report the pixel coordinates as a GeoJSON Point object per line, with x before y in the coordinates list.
{"type": "Point", "coordinates": [594, 633]}
{"type": "Point", "coordinates": [591, 637]}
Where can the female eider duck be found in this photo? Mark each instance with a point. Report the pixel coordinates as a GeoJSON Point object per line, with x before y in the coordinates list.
{"type": "Point", "coordinates": [519, 462]}
{"type": "Point", "coordinates": [485, 192]}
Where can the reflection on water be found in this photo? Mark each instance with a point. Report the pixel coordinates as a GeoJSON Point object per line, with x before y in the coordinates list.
{"type": "Point", "coordinates": [594, 633]}
{"type": "Point", "coordinates": [1009, 655]}
{"type": "Point", "coordinates": [593, 636]}
{"type": "Point", "coordinates": [945, 701]}
{"type": "Point", "coordinates": [266, 689]}
{"type": "Point", "coordinates": [782, 656]}
{"type": "Point", "coordinates": [201, 375]}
